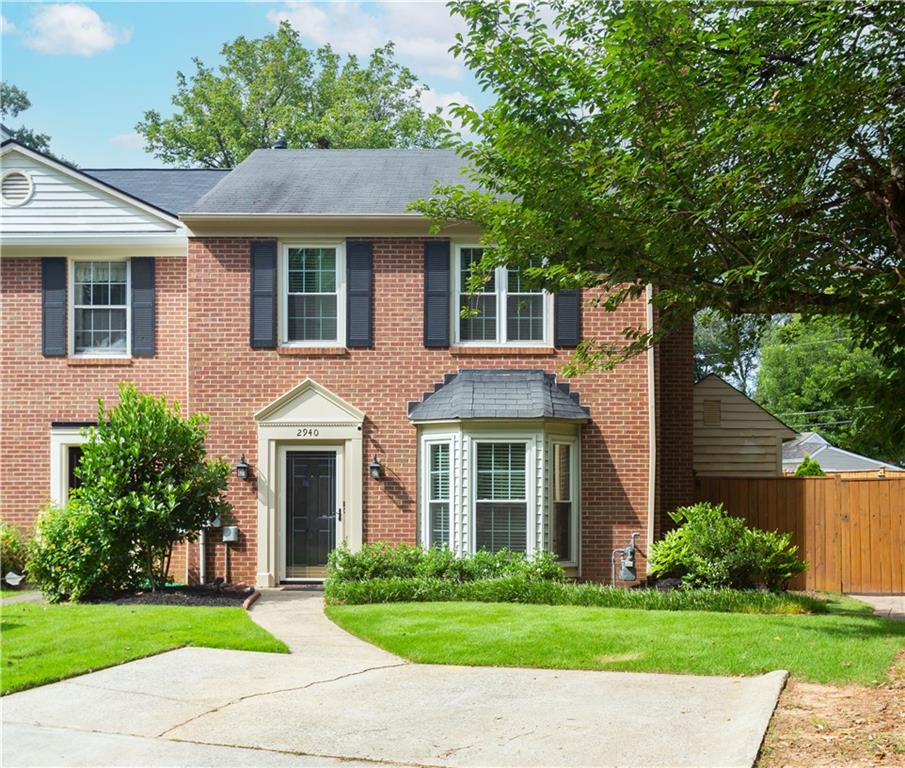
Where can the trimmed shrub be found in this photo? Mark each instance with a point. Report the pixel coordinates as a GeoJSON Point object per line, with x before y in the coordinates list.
{"type": "Point", "coordinates": [402, 561]}
{"type": "Point", "coordinates": [522, 589]}
{"type": "Point", "coordinates": [74, 556]}
{"type": "Point", "coordinates": [809, 468]}
{"type": "Point", "coordinates": [711, 549]}
{"type": "Point", "coordinates": [13, 550]}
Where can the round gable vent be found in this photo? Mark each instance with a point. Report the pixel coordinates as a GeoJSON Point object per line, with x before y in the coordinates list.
{"type": "Point", "coordinates": [16, 188]}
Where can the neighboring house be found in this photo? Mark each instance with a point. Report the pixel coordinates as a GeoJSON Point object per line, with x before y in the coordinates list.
{"type": "Point", "coordinates": [300, 304]}
{"type": "Point", "coordinates": [733, 435]}
{"type": "Point", "coordinates": [832, 460]}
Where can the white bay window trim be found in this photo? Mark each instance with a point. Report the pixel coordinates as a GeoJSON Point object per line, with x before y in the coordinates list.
{"type": "Point", "coordinates": [574, 496]}
{"type": "Point", "coordinates": [428, 498]}
{"type": "Point", "coordinates": [501, 294]}
{"type": "Point", "coordinates": [61, 440]}
{"type": "Point", "coordinates": [73, 305]}
{"type": "Point", "coordinates": [340, 340]}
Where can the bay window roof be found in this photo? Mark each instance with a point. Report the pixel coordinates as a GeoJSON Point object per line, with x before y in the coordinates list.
{"type": "Point", "coordinates": [499, 394]}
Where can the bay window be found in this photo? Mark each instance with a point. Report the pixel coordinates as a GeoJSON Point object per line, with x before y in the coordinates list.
{"type": "Point", "coordinates": [501, 497]}
{"type": "Point", "coordinates": [438, 490]}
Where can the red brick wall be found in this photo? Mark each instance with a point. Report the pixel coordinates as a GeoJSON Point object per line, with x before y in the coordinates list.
{"type": "Point", "coordinates": [230, 381]}
{"type": "Point", "coordinates": [37, 390]}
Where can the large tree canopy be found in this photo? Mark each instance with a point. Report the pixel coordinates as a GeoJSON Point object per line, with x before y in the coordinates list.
{"type": "Point", "coordinates": [274, 88]}
{"type": "Point", "coordinates": [729, 346]}
{"type": "Point", "coordinates": [744, 157]}
{"type": "Point", "coordinates": [814, 376]}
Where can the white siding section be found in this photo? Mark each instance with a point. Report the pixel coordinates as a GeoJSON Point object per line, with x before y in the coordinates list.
{"type": "Point", "coordinates": [64, 205]}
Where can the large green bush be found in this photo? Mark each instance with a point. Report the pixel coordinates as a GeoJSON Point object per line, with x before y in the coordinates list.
{"type": "Point", "coordinates": [523, 589]}
{"type": "Point", "coordinates": [13, 550]}
{"type": "Point", "coordinates": [75, 555]}
{"type": "Point", "coordinates": [712, 549]}
{"type": "Point", "coordinates": [146, 485]}
{"type": "Point", "coordinates": [383, 561]}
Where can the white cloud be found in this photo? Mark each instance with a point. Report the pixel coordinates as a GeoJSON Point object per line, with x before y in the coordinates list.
{"type": "Point", "coordinates": [130, 140]}
{"type": "Point", "coordinates": [72, 29]}
{"type": "Point", "coordinates": [422, 31]}
{"type": "Point", "coordinates": [6, 25]}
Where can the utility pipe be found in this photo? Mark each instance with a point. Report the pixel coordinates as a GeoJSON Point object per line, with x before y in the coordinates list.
{"type": "Point", "coordinates": [202, 553]}
{"type": "Point", "coordinates": [651, 424]}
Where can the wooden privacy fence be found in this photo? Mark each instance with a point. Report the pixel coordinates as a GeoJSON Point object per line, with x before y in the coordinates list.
{"type": "Point", "coordinates": [851, 531]}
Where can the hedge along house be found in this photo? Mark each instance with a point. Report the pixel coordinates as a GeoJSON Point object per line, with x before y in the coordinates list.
{"type": "Point", "coordinates": [317, 323]}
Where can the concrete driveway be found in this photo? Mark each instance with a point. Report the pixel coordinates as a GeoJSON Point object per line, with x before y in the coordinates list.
{"type": "Point", "coordinates": [338, 701]}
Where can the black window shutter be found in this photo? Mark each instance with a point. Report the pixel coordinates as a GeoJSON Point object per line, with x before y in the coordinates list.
{"type": "Point", "coordinates": [264, 294]}
{"type": "Point", "coordinates": [53, 307]}
{"type": "Point", "coordinates": [436, 293]}
{"type": "Point", "coordinates": [143, 307]}
{"type": "Point", "coordinates": [359, 292]}
{"type": "Point", "coordinates": [567, 319]}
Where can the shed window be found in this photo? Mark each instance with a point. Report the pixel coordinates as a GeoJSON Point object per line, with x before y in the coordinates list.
{"type": "Point", "coordinates": [501, 502]}
{"type": "Point", "coordinates": [713, 415]}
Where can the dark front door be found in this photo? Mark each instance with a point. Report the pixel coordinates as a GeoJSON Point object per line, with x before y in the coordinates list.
{"type": "Point", "coordinates": [310, 511]}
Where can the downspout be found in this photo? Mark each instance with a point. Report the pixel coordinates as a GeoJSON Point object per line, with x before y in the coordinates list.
{"type": "Point", "coordinates": [202, 554]}
{"type": "Point", "coordinates": [651, 425]}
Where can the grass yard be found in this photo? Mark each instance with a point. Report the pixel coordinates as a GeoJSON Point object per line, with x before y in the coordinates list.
{"type": "Point", "coordinates": [45, 643]}
{"type": "Point", "coordinates": [846, 645]}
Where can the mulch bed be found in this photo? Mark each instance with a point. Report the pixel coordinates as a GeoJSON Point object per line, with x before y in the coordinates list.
{"type": "Point", "coordinates": [189, 596]}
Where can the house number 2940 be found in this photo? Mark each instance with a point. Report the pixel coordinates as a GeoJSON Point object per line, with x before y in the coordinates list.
{"type": "Point", "coordinates": [307, 432]}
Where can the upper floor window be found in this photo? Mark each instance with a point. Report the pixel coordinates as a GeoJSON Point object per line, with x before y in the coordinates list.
{"type": "Point", "coordinates": [504, 310]}
{"type": "Point", "coordinates": [100, 307]}
{"type": "Point", "coordinates": [313, 294]}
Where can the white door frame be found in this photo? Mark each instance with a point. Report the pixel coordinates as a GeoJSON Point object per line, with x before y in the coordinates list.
{"type": "Point", "coordinates": [282, 451]}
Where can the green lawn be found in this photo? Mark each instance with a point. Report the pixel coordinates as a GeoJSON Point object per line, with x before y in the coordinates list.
{"type": "Point", "coordinates": [44, 643]}
{"type": "Point", "coordinates": [847, 644]}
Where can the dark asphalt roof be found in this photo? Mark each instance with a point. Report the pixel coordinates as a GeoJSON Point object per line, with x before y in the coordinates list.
{"type": "Point", "coordinates": [499, 394]}
{"type": "Point", "coordinates": [331, 181]}
{"type": "Point", "coordinates": [171, 189]}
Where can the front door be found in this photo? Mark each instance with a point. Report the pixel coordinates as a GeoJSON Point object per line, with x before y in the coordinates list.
{"type": "Point", "coordinates": [311, 512]}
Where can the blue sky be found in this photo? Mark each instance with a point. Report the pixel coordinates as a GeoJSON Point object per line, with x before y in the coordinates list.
{"type": "Point", "coordinates": [92, 69]}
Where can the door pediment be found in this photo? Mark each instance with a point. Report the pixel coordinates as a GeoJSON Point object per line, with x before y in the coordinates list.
{"type": "Point", "coordinates": [310, 403]}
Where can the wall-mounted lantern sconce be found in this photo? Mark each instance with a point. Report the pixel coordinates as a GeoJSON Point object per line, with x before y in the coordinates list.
{"type": "Point", "coordinates": [243, 470]}
{"type": "Point", "coordinates": [376, 468]}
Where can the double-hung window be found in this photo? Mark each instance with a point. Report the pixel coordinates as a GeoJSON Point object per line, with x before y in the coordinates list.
{"type": "Point", "coordinates": [100, 307]}
{"type": "Point", "coordinates": [314, 302]}
{"type": "Point", "coordinates": [503, 310]}
{"type": "Point", "coordinates": [438, 494]}
{"type": "Point", "coordinates": [501, 496]}
{"type": "Point", "coordinates": [563, 523]}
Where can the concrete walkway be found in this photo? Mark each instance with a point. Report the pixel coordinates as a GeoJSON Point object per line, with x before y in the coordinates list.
{"type": "Point", "coordinates": [25, 596]}
{"type": "Point", "coordinates": [338, 701]}
{"type": "Point", "coordinates": [887, 606]}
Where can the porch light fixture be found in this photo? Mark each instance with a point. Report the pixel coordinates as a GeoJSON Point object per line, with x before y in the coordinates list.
{"type": "Point", "coordinates": [243, 470]}
{"type": "Point", "coordinates": [376, 468]}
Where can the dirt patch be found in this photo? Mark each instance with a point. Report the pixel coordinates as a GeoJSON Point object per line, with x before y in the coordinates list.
{"type": "Point", "coordinates": [854, 726]}
{"type": "Point", "coordinates": [188, 596]}
{"type": "Point", "coordinates": [617, 657]}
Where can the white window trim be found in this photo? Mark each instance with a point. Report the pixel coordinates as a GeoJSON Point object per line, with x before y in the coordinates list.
{"type": "Point", "coordinates": [574, 490]}
{"type": "Point", "coordinates": [61, 440]}
{"type": "Point", "coordinates": [71, 308]}
{"type": "Point", "coordinates": [502, 285]}
{"type": "Point", "coordinates": [426, 443]}
{"type": "Point", "coordinates": [530, 498]}
{"type": "Point", "coordinates": [283, 288]}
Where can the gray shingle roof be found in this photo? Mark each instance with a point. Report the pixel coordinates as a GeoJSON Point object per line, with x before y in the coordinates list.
{"type": "Point", "coordinates": [830, 458]}
{"type": "Point", "coordinates": [495, 394]}
{"type": "Point", "coordinates": [171, 189]}
{"type": "Point", "coordinates": [331, 181]}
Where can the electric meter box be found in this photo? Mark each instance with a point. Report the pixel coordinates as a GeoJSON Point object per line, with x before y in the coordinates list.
{"type": "Point", "coordinates": [230, 534]}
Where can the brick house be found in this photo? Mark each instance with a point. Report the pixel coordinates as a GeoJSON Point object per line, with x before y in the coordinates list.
{"type": "Point", "coordinates": [298, 303]}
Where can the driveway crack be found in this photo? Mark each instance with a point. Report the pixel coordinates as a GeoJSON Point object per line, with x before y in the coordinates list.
{"type": "Point", "coordinates": [240, 699]}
